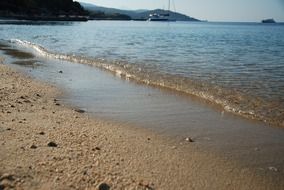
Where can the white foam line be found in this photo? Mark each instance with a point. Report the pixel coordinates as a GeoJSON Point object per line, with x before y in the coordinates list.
{"type": "Point", "coordinates": [120, 71]}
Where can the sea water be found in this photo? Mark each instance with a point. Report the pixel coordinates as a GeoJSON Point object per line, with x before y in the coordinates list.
{"type": "Point", "coordinates": [238, 66]}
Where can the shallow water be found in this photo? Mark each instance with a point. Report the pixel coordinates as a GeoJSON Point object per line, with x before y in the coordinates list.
{"type": "Point", "coordinates": [108, 97]}
{"type": "Point", "coordinates": [238, 66]}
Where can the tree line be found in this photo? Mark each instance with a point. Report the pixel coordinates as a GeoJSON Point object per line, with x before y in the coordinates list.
{"type": "Point", "coordinates": [41, 7]}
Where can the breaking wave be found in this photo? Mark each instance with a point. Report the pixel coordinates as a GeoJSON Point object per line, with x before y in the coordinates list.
{"type": "Point", "coordinates": [230, 100]}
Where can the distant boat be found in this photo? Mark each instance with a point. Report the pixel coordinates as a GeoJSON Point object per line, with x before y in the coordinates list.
{"type": "Point", "coordinates": [271, 20]}
{"type": "Point", "coordinates": [161, 17]}
{"type": "Point", "coordinates": [158, 17]}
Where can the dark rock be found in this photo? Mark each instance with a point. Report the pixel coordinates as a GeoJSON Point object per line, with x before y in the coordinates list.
{"type": "Point", "coordinates": [27, 101]}
{"type": "Point", "coordinates": [38, 95]}
{"type": "Point", "coordinates": [270, 21]}
{"type": "Point", "coordinates": [148, 138]}
{"type": "Point", "coordinates": [33, 146]}
{"type": "Point", "coordinates": [8, 129]}
{"type": "Point", "coordinates": [96, 148]}
{"type": "Point", "coordinates": [188, 139]}
{"type": "Point", "coordinates": [57, 104]}
{"type": "Point", "coordinates": [8, 177]}
{"type": "Point", "coordinates": [104, 186]}
{"type": "Point", "coordinates": [60, 71]}
{"type": "Point", "coordinates": [52, 144]}
{"type": "Point", "coordinates": [42, 133]}
{"type": "Point", "coordinates": [79, 111]}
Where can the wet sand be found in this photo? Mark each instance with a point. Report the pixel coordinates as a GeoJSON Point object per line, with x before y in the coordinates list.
{"type": "Point", "coordinates": [47, 145]}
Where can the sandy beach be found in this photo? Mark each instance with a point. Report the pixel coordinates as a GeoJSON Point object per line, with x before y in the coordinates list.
{"type": "Point", "coordinates": [48, 145]}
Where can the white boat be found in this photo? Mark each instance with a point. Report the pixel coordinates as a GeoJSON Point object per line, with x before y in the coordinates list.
{"type": "Point", "coordinates": [161, 17]}
{"type": "Point", "coordinates": [158, 17]}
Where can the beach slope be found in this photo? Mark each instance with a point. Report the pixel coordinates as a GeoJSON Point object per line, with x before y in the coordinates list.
{"type": "Point", "coordinates": [47, 145]}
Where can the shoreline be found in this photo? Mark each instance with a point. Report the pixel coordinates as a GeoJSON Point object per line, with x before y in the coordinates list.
{"type": "Point", "coordinates": [75, 18]}
{"type": "Point", "coordinates": [238, 103]}
{"type": "Point", "coordinates": [90, 153]}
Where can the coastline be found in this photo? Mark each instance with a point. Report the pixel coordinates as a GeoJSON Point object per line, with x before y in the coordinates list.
{"type": "Point", "coordinates": [231, 100]}
{"type": "Point", "coordinates": [44, 18]}
{"type": "Point", "coordinates": [91, 152]}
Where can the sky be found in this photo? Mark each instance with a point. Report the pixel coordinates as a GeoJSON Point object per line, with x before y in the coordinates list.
{"type": "Point", "coordinates": [211, 10]}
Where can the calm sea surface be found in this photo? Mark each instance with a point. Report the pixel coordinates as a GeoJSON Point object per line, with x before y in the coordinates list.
{"type": "Point", "coordinates": [238, 66]}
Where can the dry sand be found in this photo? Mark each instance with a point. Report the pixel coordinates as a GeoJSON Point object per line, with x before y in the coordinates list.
{"type": "Point", "coordinates": [94, 154]}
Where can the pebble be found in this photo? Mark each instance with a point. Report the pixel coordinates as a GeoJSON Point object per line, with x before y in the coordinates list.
{"type": "Point", "coordinates": [146, 186]}
{"type": "Point", "coordinates": [27, 101]}
{"type": "Point", "coordinates": [52, 144]}
{"type": "Point", "coordinates": [33, 146]}
{"type": "Point", "coordinates": [42, 133]}
{"type": "Point", "coordinates": [97, 148]}
{"type": "Point", "coordinates": [188, 139]}
{"type": "Point", "coordinates": [9, 177]}
{"type": "Point", "coordinates": [271, 168]}
{"type": "Point", "coordinates": [79, 111]}
{"type": "Point", "coordinates": [5, 184]}
{"type": "Point", "coordinates": [60, 71]}
{"type": "Point", "coordinates": [104, 186]}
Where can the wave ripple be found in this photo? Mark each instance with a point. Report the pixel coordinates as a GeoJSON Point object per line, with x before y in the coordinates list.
{"type": "Point", "coordinates": [231, 100]}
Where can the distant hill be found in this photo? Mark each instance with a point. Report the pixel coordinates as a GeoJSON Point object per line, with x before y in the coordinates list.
{"type": "Point", "coordinates": [136, 14]}
{"type": "Point", "coordinates": [173, 15]}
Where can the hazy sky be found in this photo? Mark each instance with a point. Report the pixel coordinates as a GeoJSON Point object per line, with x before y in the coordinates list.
{"type": "Point", "coordinates": [212, 10]}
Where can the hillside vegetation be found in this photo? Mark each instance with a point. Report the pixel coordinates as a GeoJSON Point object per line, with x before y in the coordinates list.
{"type": "Point", "coordinates": [135, 14]}
{"type": "Point", "coordinates": [40, 7]}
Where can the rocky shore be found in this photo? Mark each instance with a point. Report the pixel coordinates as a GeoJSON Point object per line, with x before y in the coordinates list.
{"type": "Point", "coordinates": [47, 145]}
